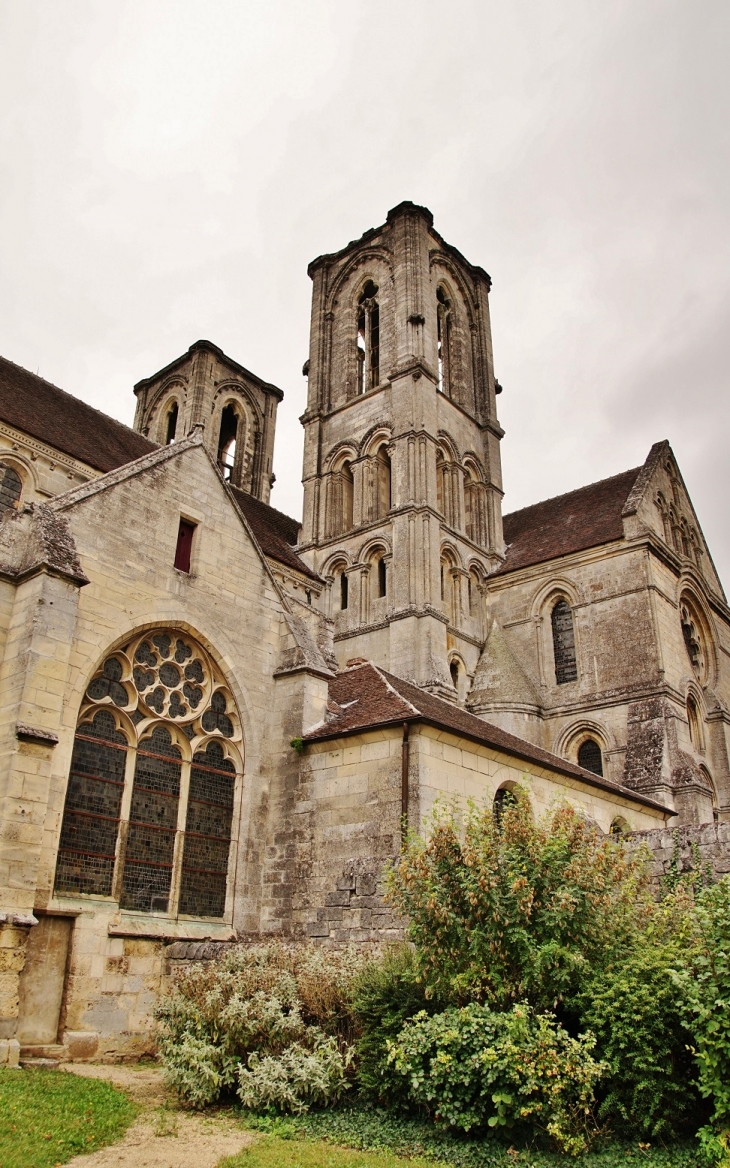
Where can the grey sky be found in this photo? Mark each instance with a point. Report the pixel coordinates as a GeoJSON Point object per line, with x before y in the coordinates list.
{"type": "Point", "coordinates": [169, 169]}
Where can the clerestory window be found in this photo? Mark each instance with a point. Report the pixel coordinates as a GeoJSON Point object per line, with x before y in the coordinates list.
{"type": "Point", "coordinates": [149, 805]}
{"type": "Point", "coordinates": [566, 668]}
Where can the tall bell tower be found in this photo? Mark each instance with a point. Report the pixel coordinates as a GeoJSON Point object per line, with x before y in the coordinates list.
{"type": "Point", "coordinates": [402, 475]}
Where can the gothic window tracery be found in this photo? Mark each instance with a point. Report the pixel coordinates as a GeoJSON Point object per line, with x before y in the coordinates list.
{"type": "Point", "coordinates": [158, 722]}
{"type": "Point", "coordinates": [566, 667]}
{"type": "Point", "coordinates": [368, 339]}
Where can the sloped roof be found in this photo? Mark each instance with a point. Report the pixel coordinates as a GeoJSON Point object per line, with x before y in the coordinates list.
{"type": "Point", "coordinates": [568, 523]}
{"type": "Point", "coordinates": [364, 697]}
{"type": "Point", "coordinates": [275, 531]}
{"type": "Point", "coordinates": [43, 411]}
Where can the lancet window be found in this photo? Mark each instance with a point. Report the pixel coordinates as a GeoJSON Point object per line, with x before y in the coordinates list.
{"type": "Point", "coordinates": [149, 805]}
{"type": "Point", "coordinates": [443, 314]}
{"type": "Point", "coordinates": [566, 668]}
{"type": "Point", "coordinates": [368, 339]}
{"type": "Point", "coordinates": [171, 425]}
{"type": "Point", "coordinates": [227, 441]}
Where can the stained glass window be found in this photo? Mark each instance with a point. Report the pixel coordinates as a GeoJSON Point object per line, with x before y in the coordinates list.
{"type": "Point", "coordinates": [162, 703]}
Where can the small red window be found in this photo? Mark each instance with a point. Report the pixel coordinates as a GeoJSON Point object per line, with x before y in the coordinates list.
{"type": "Point", "coordinates": [184, 545]}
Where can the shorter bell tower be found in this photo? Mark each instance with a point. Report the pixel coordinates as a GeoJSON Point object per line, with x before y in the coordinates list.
{"type": "Point", "coordinates": [402, 474]}
{"type": "Point", "coordinates": [235, 407]}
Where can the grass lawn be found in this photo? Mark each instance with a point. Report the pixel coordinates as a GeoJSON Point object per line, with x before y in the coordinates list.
{"type": "Point", "coordinates": [273, 1152]}
{"type": "Point", "coordinates": [373, 1138]}
{"type": "Point", "coordinates": [47, 1116]}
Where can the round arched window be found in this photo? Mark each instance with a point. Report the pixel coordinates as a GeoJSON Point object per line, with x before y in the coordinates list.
{"type": "Point", "coordinates": [589, 756]}
{"type": "Point", "coordinates": [149, 804]}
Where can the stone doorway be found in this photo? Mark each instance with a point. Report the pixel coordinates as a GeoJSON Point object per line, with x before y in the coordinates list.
{"type": "Point", "coordinates": [42, 981]}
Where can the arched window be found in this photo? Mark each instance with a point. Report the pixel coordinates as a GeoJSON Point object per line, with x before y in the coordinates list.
{"type": "Point", "coordinates": [368, 339]}
{"type": "Point", "coordinates": [566, 668]}
{"type": "Point", "coordinates": [11, 487]}
{"type": "Point", "coordinates": [505, 797]}
{"type": "Point", "coordinates": [619, 826]}
{"type": "Point", "coordinates": [382, 578]}
{"type": "Point", "coordinates": [473, 585]}
{"type": "Point", "coordinates": [695, 724]}
{"type": "Point", "coordinates": [443, 315]}
{"type": "Point", "coordinates": [694, 641]}
{"type": "Point", "coordinates": [589, 756]}
{"type": "Point", "coordinates": [475, 507]}
{"type": "Point", "coordinates": [158, 722]}
{"type": "Point", "coordinates": [227, 441]}
{"type": "Point", "coordinates": [344, 589]}
{"type": "Point", "coordinates": [171, 427]}
{"type": "Point", "coordinates": [382, 484]}
{"type": "Point", "coordinates": [340, 501]}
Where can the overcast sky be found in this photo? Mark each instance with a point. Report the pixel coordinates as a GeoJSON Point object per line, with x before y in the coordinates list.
{"type": "Point", "coordinates": [170, 168]}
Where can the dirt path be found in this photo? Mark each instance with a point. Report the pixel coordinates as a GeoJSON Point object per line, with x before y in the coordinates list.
{"type": "Point", "coordinates": [163, 1136]}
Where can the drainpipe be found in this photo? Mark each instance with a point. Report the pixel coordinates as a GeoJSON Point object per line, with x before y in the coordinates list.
{"type": "Point", "coordinates": [405, 758]}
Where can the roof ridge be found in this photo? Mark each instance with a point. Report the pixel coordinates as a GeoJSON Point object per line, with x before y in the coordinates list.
{"type": "Point", "coordinates": [575, 491]}
{"type": "Point", "coordinates": [384, 675]}
{"type": "Point", "coordinates": [73, 397]}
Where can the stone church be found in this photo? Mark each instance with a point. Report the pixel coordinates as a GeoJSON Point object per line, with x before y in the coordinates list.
{"type": "Point", "coordinates": [215, 721]}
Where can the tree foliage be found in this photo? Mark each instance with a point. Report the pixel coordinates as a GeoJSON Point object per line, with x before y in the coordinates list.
{"type": "Point", "coordinates": [517, 910]}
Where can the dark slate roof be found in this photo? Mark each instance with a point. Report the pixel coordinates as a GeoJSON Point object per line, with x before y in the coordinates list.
{"type": "Point", "coordinates": [569, 523]}
{"type": "Point", "coordinates": [275, 532]}
{"type": "Point", "coordinates": [48, 413]}
{"type": "Point", "coordinates": [364, 697]}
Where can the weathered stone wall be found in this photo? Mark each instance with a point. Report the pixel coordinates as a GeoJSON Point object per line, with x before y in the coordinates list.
{"type": "Point", "coordinates": [705, 847]}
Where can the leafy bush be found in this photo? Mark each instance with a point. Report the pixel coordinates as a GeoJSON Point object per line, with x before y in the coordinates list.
{"type": "Point", "coordinates": [386, 994]}
{"type": "Point", "coordinates": [637, 1016]}
{"type": "Point", "coordinates": [706, 990]}
{"type": "Point", "coordinates": [517, 910]}
{"type": "Point", "coordinates": [473, 1068]}
{"type": "Point", "coordinates": [295, 1079]}
{"type": "Point", "coordinates": [257, 1001]}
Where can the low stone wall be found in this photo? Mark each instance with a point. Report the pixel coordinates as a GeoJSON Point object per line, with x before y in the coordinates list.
{"type": "Point", "coordinates": [703, 847]}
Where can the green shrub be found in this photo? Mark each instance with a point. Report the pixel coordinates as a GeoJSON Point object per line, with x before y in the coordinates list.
{"type": "Point", "coordinates": [387, 993]}
{"type": "Point", "coordinates": [257, 1000]}
{"type": "Point", "coordinates": [706, 990]}
{"type": "Point", "coordinates": [517, 910]}
{"type": "Point", "coordinates": [637, 1016]}
{"type": "Point", "coordinates": [294, 1079]}
{"type": "Point", "coordinates": [473, 1068]}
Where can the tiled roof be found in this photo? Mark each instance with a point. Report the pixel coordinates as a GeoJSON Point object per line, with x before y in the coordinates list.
{"type": "Point", "coordinates": [276, 532]}
{"type": "Point", "coordinates": [48, 413]}
{"type": "Point", "coordinates": [569, 523]}
{"type": "Point", "coordinates": [364, 697]}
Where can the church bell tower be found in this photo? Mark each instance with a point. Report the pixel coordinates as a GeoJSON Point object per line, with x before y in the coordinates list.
{"type": "Point", "coordinates": [402, 475]}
